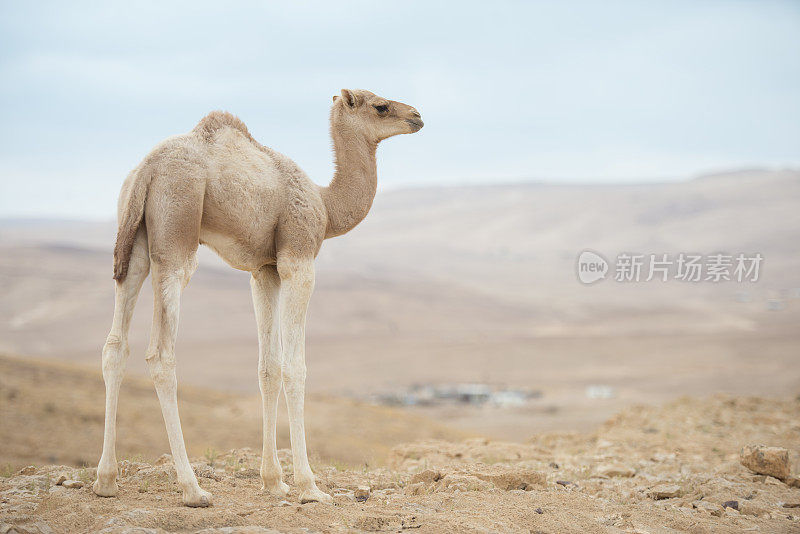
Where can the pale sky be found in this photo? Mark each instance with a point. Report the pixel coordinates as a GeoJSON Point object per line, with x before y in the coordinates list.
{"type": "Point", "coordinates": [593, 91]}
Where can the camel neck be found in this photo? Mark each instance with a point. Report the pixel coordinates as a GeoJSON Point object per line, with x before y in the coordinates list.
{"type": "Point", "coordinates": [349, 196]}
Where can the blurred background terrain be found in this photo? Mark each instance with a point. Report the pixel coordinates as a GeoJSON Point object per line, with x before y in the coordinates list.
{"type": "Point", "coordinates": [462, 305]}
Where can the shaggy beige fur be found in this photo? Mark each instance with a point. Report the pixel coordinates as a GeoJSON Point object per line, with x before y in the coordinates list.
{"type": "Point", "coordinates": [218, 186]}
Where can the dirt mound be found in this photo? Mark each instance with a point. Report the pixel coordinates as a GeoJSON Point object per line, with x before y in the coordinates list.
{"type": "Point", "coordinates": [666, 469]}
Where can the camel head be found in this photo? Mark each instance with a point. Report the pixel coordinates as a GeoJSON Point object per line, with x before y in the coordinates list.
{"type": "Point", "coordinates": [376, 117]}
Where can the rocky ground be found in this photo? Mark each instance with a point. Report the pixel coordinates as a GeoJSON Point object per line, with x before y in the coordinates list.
{"type": "Point", "coordinates": [675, 468]}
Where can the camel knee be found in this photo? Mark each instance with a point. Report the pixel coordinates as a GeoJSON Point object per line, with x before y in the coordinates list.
{"type": "Point", "coordinates": [115, 353]}
{"type": "Point", "coordinates": [162, 369]}
{"type": "Point", "coordinates": [269, 373]}
{"type": "Point", "coordinates": [294, 376]}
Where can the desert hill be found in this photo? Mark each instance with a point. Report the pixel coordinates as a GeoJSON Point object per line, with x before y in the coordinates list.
{"type": "Point", "coordinates": [464, 285]}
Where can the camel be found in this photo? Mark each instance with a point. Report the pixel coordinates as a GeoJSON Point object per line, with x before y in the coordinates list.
{"type": "Point", "coordinates": [256, 209]}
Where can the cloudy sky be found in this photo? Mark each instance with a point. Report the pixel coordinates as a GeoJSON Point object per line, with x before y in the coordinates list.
{"type": "Point", "coordinates": [562, 91]}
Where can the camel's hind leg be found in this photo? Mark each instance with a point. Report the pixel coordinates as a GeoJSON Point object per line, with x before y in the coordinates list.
{"type": "Point", "coordinates": [115, 356]}
{"type": "Point", "coordinates": [168, 282]}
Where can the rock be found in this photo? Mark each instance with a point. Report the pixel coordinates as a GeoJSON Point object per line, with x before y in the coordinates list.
{"type": "Point", "coordinates": [793, 482]}
{"type": "Point", "coordinates": [731, 504]}
{"type": "Point", "coordinates": [664, 491]}
{"type": "Point", "coordinates": [791, 505]}
{"type": "Point", "coordinates": [28, 470]}
{"type": "Point", "coordinates": [615, 470]}
{"type": "Point", "coordinates": [284, 503]}
{"type": "Point", "coordinates": [164, 459]}
{"type": "Point", "coordinates": [361, 493]}
{"type": "Point", "coordinates": [773, 481]}
{"type": "Point", "coordinates": [771, 461]}
{"type": "Point", "coordinates": [748, 508]}
{"type": "Point", "coordinates": [61, 479]}
{"type": "Point", "coordinates": [565, 483]}
{"type": "Point", "coordinates": [38, 527]}
{"type": "Point", "coordinates": [72, 484]}
{"type": "Point", "coordinates": [710, 507]}
{"type": "Point", "coordinates": [206, 471]}
{"type": "Point", "coordinates": [539, 511]}
{"type": "Point", "coordinates": [429, 476]}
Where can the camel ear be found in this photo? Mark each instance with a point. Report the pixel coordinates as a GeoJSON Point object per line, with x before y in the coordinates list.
{"type": "Point", "coordinates": [350, 98]}
{"type": "Point", "coordinates": [335, 97]}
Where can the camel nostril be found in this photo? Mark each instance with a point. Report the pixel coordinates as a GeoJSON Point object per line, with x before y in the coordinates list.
{"type": "Point", "coordinates": [416, 114]}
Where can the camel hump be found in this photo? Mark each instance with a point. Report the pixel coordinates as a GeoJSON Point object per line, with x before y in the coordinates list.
{"type": "Point", "coordinates": [217, 120]}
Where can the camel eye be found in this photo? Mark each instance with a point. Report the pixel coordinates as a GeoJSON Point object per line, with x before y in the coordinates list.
{"type": "Point", "coordinates": [382, 108]}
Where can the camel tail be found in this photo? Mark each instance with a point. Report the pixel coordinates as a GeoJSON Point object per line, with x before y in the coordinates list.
{"type": "Point", "coordinates": [131, 211]}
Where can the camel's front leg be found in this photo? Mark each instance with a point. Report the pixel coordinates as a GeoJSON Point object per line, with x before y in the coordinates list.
{"type": "Point", "coordinates": [297, 284]}
{"type": "Point", "coordinates": [265, 285]}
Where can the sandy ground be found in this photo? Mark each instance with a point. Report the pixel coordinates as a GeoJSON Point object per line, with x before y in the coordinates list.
{"type": "Point", "coordinates": [648, 469]}
{"type": "Point", "coordinates": [666, 469]}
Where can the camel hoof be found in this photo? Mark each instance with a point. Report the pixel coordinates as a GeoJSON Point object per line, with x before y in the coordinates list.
{"type": "Point", "coordinates": [315, 495]}
{"type": "Point", "coordinates": [279, 490]}
{"type": "Point", "coordinates": [200, 499]}
{"type": "Point", "coordinates": [105, 489]}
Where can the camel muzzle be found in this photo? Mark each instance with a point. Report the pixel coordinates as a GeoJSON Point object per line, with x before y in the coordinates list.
{"type": "Point", "coordinates": [416, 124]}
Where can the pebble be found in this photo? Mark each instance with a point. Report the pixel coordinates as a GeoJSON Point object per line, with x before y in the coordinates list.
{"type": "Point", "coordinates": [748, 508]}
{"type": "Point", "coordinates": [72, 484]}
{"type": "Point", "coordinates": [206, 471]}
{"type": "Point", "coordinates": [429, 476]}
{"type": "Point", "coordinates": [61, 479]}
{"type": "Point", "coordinates": [362, 493]}
{"type": "Point", "coordinates": [733, 512]}
{"type": "Point", "coordinates": [565, 483]}
{"type": "Point", "coordinates": [28, 470]}
{"type": "Point", "coordinates": [284, 503]}
{"type": "Point", "coordinates": [710, 507]}
{"type": "Point", "coordinates": [615, 470]}
{"type": "Point", "coordinates": [665, 491]}
{"type": "Point", "coordinates": [771, 461]}
{"type": "Point", "coordinates": [164, 459]}
{"type": "Point", "coordinates": [731, 504]}
{"type": "Point", "coordinates": [247, 473]}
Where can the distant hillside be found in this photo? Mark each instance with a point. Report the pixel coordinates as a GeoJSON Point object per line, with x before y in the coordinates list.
{"type": "Point", "coordinates": [467, 284]}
